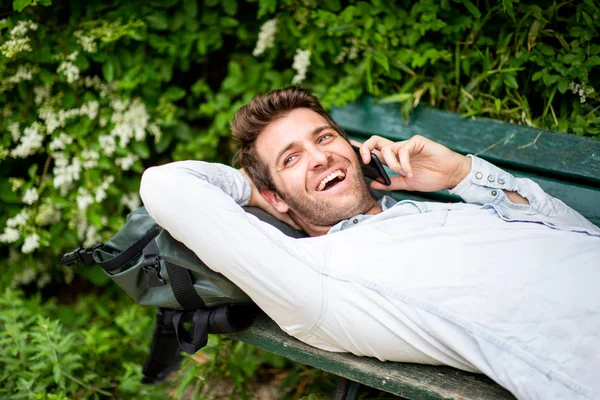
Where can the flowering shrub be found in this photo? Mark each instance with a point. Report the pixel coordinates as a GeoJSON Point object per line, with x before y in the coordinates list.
{"type": "Point", "coordinates": [91, 94]}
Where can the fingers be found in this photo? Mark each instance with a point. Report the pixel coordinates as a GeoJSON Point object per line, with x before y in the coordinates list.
{"type": "Point", "coordinates": [371, 144]}
{"type": "Point", "coordinates": [398, 183]}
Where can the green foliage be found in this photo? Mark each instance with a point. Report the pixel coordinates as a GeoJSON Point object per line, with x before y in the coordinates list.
{"type": "Point", "coordinates": [92, 349]}
{"type": "Point", "coordinates": [245, 366]}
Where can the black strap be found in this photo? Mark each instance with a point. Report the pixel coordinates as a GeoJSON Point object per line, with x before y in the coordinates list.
{"type": "Point", "coordinates": [197, 337]}
{"type": "Point", "coordinates": [132, 251]}
{"type": "Point", "coordinates": [164, 356]}
{"type": "Point", "coordinates": [183, 287]}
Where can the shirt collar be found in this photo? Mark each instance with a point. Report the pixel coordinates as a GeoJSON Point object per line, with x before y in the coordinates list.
{"type": "Point", "coordinates": [385, 202]}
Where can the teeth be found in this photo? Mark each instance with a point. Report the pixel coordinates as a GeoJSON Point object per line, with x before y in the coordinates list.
{"type": "Point", "coordinates": [329, 178]}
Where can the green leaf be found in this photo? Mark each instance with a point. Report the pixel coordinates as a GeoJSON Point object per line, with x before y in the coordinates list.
{"type": "Point", "coordinates": [230, 7]}
{"type": "Point", "coordinates": [563, 85]}
{"type": "Point", "coordinates": [550, 79]}
{"type": "Point", "coordinates": [333, 5]}
{"type": "Point", "coordinates": [190, 7]}
{"type": "Point", "coordinates": [472, 8]}
{"type": "Point", "coordinates": [108, 70]}
{"type": "Point", "coordinates": [396, 98]}
{"type": "Point", "coordinates": [141, 149]}
{"type": "Point", "coordinates": [228, 22]}
{"type": "Point", "coordinates": [175, 93]}
{"type": "Point", "coordinates": [510, 81]}
{"type": "Point", "coordinates": [593, 61]}
{"type": "Point", "coordinates": [158, 20]}
{"type": "Point", "coordinates": [19, 5]}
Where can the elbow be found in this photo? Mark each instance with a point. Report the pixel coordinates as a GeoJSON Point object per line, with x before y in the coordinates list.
{"type": "Point", "coordinates": [150, 184]}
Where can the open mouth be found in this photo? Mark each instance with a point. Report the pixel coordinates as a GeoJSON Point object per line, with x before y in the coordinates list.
{"type": "Point", "coordinates": [331, 180]}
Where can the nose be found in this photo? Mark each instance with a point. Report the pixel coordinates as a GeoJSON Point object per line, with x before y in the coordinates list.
{"type": "Point", "coordinates": [318, 157]}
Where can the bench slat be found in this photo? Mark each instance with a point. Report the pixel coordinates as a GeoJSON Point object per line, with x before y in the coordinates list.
{"type": "Point", "coordinates": [412, 381]}
{"type": "Point", "coordinates": [557, 154]}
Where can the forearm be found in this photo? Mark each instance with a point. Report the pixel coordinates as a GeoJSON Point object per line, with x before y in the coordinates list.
{"type": "Point", "coordinates": [519, 198]}
{"type": "Point", "coordinates": [230, 180]}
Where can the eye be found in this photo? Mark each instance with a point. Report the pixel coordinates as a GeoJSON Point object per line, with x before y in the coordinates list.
{"type": "Point", "coordinates": [324, 137]}
{"type": "Point", "coordinates": [289, 159]}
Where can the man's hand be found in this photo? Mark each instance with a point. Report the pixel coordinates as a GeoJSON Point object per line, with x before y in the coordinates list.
{"type": "Point", "coordinates": [423, 164]}
{"type": "Point", "coordinates": [257, 200]}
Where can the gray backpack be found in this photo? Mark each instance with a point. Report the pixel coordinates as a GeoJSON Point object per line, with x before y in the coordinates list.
{"type": "Point", "coordinates": [157, 270]}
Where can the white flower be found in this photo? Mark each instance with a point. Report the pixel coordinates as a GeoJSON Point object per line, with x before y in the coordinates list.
{"type": "Point", "coordinates": [14, 46]}
{"type": "Point", "coordinates": [10, 235]}
{"type": "Point", "coordinates": [266, 37]}
{"type": "Point", "coordinates": [31, 243]}
{"type": "Point", "coordinates": [107, 144]}
{"type": "Point", "coordinates": [73, 56]}
{"type": "Point", "coordinates": [155, 131]}
{"type": "Point", "coordinates": [41, 93]}
{"type": "Point", "coordinates": [16, 183]}
{"type": "Point", "coordinates": [22, 28]}
{"type": "Point", "coordinates": [301, 64]}
{"type": "Point", "coordinates": [90, 109]}
{"type": "Point", "coordinates": [30, 141]}
{"type": "Point", "coordinates": [84, 199]}
{"type": "Point", "coordinates": [87, 43]}
{"type": "Point", "coordinates": [126, 162]}
{"type": "Point", "coordinates": [92, 237]}
{"type": "Point", "coordinates": [24, 73]}
{"type": "Point", "coordinates": [14, 130]}
{"type": "Point", "coordinates": [130, 119]}
{"type": "Point", "coordinates": [64, 173]}
{"type": "Point", "coordinates": [90, 158]}
{"type": "Point", "coordinates": [131, 201]}
{"type": "Point", "coordinates": [61, 142]}
{"type": "Point", "coordinates": [69, 70]}
{"type": "Point", "coordinates": [30, 196]}
{"type": "Point", "coordinates": [47, 215]}
{"type": "Point", "coordinates": [18, 220]}
{"type": "Point", "coordinates": [101, 190]}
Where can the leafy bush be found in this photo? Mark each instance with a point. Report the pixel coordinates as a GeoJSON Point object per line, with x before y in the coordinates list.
{"type": "Point", "coordinates": [95, 348]}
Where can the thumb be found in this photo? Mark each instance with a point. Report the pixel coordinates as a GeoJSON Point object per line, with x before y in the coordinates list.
{"type": "Point", "coordinates": [398, 183]}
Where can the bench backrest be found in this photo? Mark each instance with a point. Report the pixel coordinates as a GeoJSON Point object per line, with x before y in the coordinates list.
{"type": "Point", "coordinates": [565, 166]}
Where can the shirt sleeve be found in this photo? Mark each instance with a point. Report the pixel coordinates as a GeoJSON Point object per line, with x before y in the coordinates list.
{"type": "Point", "coordinates": [199, 204]}
{"type": "Point", "coordinates": [486, 183]}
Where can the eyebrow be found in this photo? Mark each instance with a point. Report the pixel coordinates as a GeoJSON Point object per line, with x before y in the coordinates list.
{"type": "Point", "coordinates": [294, 144]}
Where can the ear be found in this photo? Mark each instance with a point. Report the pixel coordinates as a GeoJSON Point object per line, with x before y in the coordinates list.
{"type": "Point", "coordinates": [275, 200]}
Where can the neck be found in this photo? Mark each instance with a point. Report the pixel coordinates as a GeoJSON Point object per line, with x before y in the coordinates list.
{"type": "Point", "coordinates": [320, 230]}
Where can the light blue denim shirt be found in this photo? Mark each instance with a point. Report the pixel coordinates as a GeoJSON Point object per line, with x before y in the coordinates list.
{"type": "Point", "coordinates": [485, 286]}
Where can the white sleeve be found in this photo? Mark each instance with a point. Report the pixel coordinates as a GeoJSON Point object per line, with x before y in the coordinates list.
{"type": "Point", "coordinates": [486, 183]}
{"type": "Point", "coordinates": [198, 203]}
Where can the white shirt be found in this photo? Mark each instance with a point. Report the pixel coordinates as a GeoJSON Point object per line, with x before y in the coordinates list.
{"type": "Point", "coordinates": [508, 290]}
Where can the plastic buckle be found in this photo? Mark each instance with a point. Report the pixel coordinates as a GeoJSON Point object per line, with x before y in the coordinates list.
{"type": "Point", "coordinates": [151, 270]}
{"type": "Point", "coordinates": [73, 257]}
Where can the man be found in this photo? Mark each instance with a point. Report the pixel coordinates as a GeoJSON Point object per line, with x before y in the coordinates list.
{"type": "Point", "coordinates": [505, 285]}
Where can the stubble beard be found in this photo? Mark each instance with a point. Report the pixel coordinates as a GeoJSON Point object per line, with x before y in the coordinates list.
{"type": "Point", "coordinates": [320, 212]}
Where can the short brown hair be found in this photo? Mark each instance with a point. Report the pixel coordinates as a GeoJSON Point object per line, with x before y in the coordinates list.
{"type": "Point", "coordinates": [250, 120]}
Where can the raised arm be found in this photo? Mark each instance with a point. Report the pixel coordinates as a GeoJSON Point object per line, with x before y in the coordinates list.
{"type": "Point", "coordinates": [427, 166]}
{"type": "Point", "coordinates": [200, 203]}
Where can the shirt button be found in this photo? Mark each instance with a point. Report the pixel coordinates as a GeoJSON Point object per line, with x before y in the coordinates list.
{"type": "Point", "coordinates": [494, 193]}
{"type": "Point", "coordinates": [355, 221]}
{"type": "Point", "coordinates": [501, 181]}
{"type": "Point", "coordinates": [479, 175]}
{"type": "Point", "coordinates": [491, 178]}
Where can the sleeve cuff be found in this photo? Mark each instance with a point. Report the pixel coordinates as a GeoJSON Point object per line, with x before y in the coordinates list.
{"type": "Point", "coordinates": [483, 177]}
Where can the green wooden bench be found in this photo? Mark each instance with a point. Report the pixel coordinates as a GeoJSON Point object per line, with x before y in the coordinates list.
{"type": "Point", "coordinates": [566, 166]}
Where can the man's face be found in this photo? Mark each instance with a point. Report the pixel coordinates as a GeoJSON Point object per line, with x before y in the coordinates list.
{"type": "Point", "coordinates": [316, 172]}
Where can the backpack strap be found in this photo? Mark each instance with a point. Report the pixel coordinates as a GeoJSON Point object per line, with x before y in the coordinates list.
{"type": "Point", "coordinates": [164, 356]}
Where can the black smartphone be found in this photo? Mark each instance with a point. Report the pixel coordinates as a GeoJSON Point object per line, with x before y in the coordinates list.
{"type": "Point", "coordinates": [374, 169]}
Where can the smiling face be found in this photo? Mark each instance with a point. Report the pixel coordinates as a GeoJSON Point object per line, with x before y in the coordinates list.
{"type": "Point", "coordinates": [315, 171]}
